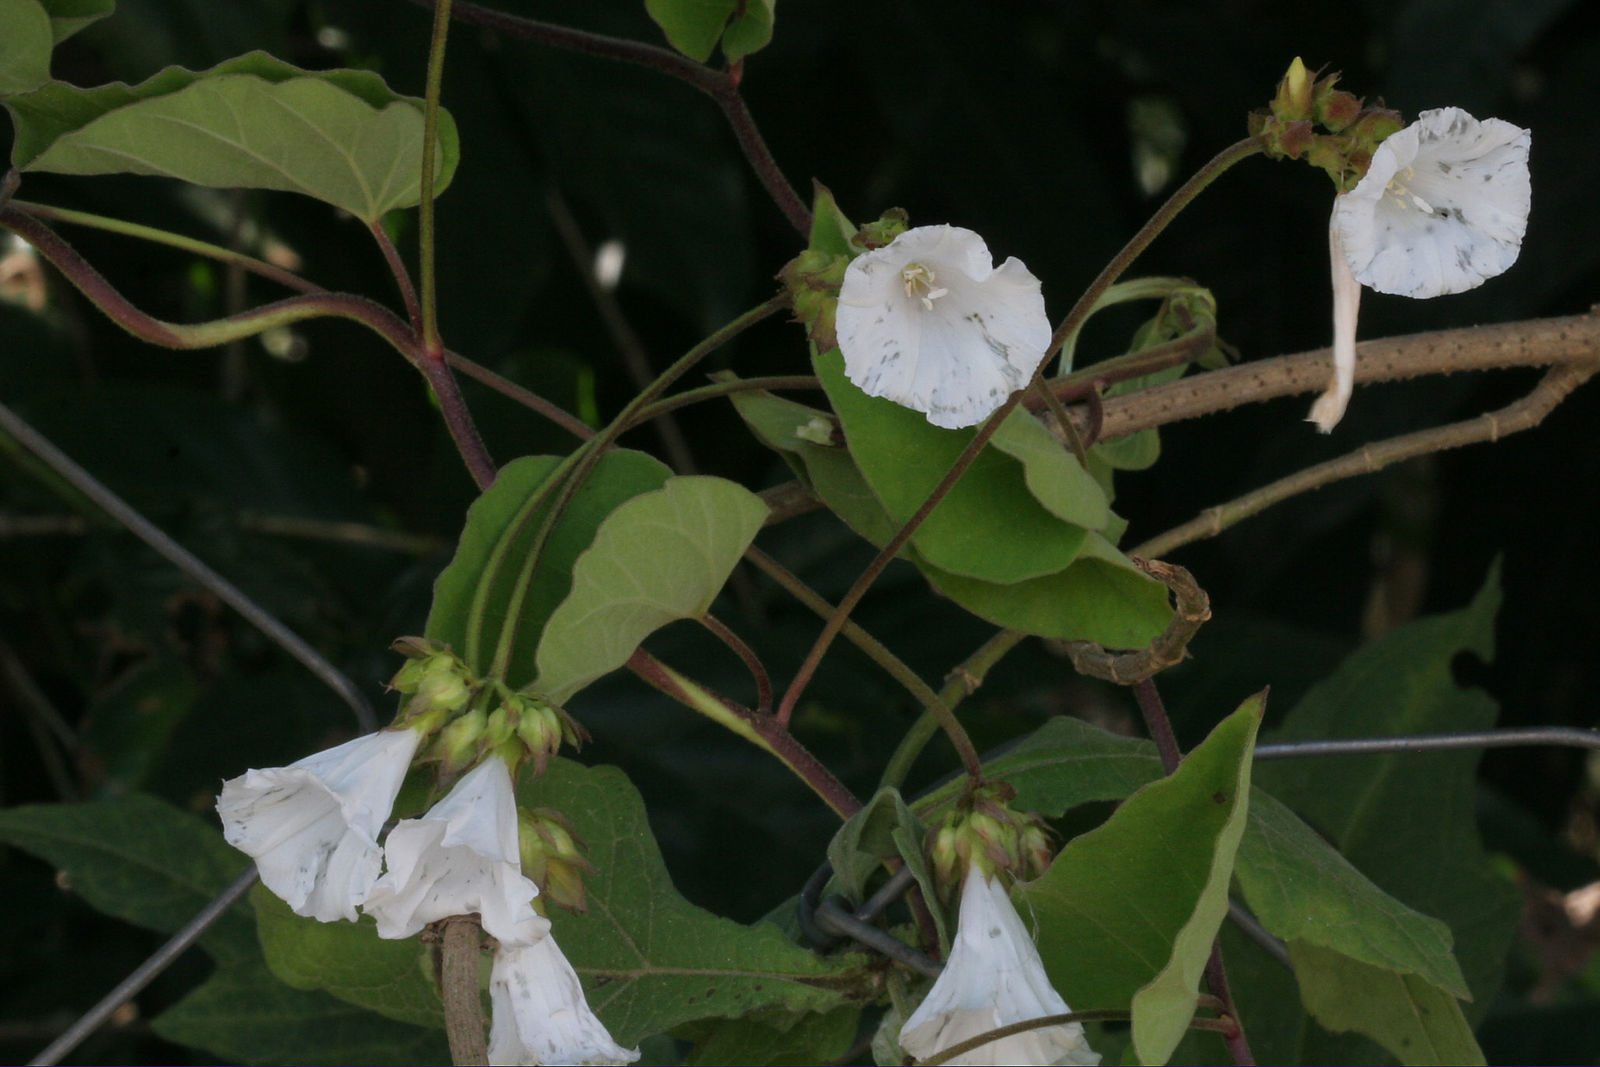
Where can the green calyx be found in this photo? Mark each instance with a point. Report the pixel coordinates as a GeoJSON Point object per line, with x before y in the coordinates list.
{"type": "Point", "coordinates": [1311, 119]}
{"type": "Point", "coordinates": [552, 857]}
{"type": "Point", "coordinates": [469, 719]}
{"type": "Point", "coordinates": [982, 829]}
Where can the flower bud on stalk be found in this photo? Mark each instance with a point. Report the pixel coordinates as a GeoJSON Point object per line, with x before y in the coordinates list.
{"type": "Point", "coordinates": [552, 856]}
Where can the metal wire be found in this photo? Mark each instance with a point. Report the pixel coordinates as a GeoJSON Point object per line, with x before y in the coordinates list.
{"type": "Point", "coordinates": [190, 564]}
{"type": "Point", "coordinates": [830, 916]}
{"type": "Point", "coordinates": [130, 986]}
{"type": "Point", "coordinates": [1514, 737]}
{"type": "Point", "coordinates": [826, 922]}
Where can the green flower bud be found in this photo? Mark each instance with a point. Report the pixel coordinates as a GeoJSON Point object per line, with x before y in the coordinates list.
{"type": "Point", "coordinates": [813, 279]}
{"type": "Point", "coordinates": [458, 744]}
{"type": "Point", "coordinates": [890, 225]}
{"type": "Point", "coordinates": [1293, 100]}
{"type": "Point", "coordinates": [1336, 109]}
{"type": "Point", "coordinates": [552, 857]}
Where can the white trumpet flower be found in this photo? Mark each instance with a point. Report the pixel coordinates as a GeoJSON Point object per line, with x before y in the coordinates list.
{"type": "Point", "coordinates": [1441, 210]}
{"type": "Point", "coordinates": [993, 978]}
{"type": "Point", "coordinates": [929, 322]}
{"type": "Point", "coordinates": [312, 827]}
{"type": "Point", "coordinates": [540, 1015]}
{"type": "Point", "coordinates": [459, 858]}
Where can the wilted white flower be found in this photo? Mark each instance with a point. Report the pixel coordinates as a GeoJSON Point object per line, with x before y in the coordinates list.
{"type": "Point", "coordinates": [312, 827]}
{"type": "Point", "coordinates": [930, 322]}
{"type": "Point", "coordinates": [1441, 210]}
{"type": "Point", "coordinates": [459, 858]}
{"type": "Point", "coordinates": [993, 978]}
{"type": "Point", "coordinates": [540, 1015]}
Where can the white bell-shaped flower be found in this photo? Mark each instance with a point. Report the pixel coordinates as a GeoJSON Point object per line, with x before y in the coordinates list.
{"type": "Point", "coordinates": [540, 1015]}
{"type": "Point", "coordinates": [929, 322]}
{"type": "Point", "coordinates": [460, 858]}
{"type": "Point", "coordinates": [993, 978]}
{"type": "Point", "coordinates": [1441, 210]}
{"type": "Point", "coordinates": [312, 827]}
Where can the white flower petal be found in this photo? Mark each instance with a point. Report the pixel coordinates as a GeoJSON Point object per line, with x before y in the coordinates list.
{"type": "Point", "coordinates": [993, 978]}
{"type": "Point", "coordinates": [459, 858]}
{"type": "Point", "coordinates": [540, 1015]}
{"type": "Point", "coordinates": [312, 827]}
{"type": "Point", "coordinates": [928, 322]}
{"type": "Point", "coordinates": [1329, 407]}
{"type": "Point", "coordinates": [1442, 209]}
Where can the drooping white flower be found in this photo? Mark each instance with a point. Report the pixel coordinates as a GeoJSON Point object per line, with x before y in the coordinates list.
{"type": "Point", "coordinates": [1329, 407]}
{"type": "Point", "coordinates": [993, 978]}
{"type": "Point", "coordinates": [312, 827]}
{"type": "Point", "coordinates": [459, 858]}
{"type": "Point", "coordinates": [1441, 210]}
{"type": "Point", "coordinates": [930, 322]}
{"type": "Point", "coordinates": [540, 1015]}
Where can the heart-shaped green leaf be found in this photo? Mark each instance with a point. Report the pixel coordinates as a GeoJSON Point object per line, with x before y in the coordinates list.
{"type": "Point", "coordinates": [659, 557]}
{"type": "Point", "coordinates": [475, 598]}
{"type": "Point", "coordinates": [253, 122]}
{"type": "Point", "coordinates": [25, 43]}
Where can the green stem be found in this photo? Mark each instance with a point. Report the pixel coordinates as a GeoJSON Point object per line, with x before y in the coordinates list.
{"type": "Point", "coordinates": [728, 388]}
{"type": "Point", "coordinates": [1168, 211]}
{"type": "Point", "coordinates": [721, 86]}
{"type": "Point", "coordinates": [526, 397]}
{"type": "Point", "coordinates": [397, 267]}
{"type": "Point", "coordinates": [171, 240]}
{"type": "Point", "coordinates": [762, 731]}
{"type": "Point", "coordinates": [935, 709]}
{"type": "Point", "coordinates": [853, 596]}
{"type": "Point", "coordinates": [93, 285]}
{"type": "Point", "coordinates": [962, 682]}
{"type": "Point", "coordinates": [430, 133]}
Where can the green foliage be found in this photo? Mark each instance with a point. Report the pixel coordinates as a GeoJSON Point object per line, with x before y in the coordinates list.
{"type": "Point", "coordinates": [653, 961]}
{"type": "Point", "coordinates": [254, 122]}
{"type": "Point", "coordinates": [245, 1014]}
{"type": "Point", "coordinates": [349, 961]}
{"type": "Point", "coordinates": [1143, 895]}
{"type": "Point", "coordinates": [696, 26]}
{"type": "Point", "coordinates": [1413, 1018]}
{"type": "Point", "coordinates": [483, 597]}
{"type": "Point", "coordinates": [1098, 597]}
{"type": "Point", "coordinates": [313, 468]}
{"type": "Point", "coordinates": [778, 1039]}
{"type": "Point", "coordinates": [1406, 821]}
{"type": "Point", "coordinates": [25, 57]}
{"type": "Point", "coordinates": [990, 526]}
{"type": "Point", "coordinates": [67, 17]}
{"type": "Point", "coordinates": [621, 593]}
{"type": "Point", "coordinates": [884, 828]}
{"type": "Point", "coordinates": [137, 859]}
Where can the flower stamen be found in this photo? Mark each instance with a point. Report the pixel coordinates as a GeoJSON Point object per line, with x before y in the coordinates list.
{"type": "Point", "coordinates": [921, 284]}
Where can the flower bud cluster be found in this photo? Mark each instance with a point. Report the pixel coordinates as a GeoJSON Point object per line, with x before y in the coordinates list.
{"type": "Point", "coordinates": [814, 276]}
{"type": "Point", "coordinates": [552, 857]}
{"type": "Point", "coordinates": [468, 720]}
{"type": "Point", "coordinates": [983, 831]}
{"type": "Point", "coordinates": [1350, 130]}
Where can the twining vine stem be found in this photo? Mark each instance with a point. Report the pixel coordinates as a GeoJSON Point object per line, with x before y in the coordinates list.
{"type": "Point", "coordinates": [721, 86]}
{"type": "Point", "coordinates": [460, 950]}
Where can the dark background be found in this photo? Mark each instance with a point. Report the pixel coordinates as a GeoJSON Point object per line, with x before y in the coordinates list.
{"type": "Point", "coordinates": [1026, 121]}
